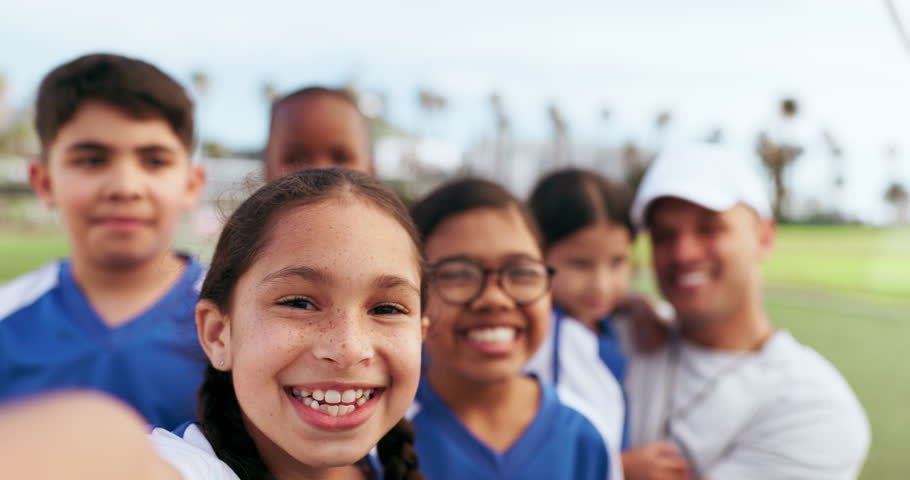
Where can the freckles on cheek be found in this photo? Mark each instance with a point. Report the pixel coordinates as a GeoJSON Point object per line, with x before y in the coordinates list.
{"type": "Point", "coordinates": [406, 345]}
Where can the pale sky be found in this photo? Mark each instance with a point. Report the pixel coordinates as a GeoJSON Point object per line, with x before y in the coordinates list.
{"type": "Point", "coordinates": [712, 63]}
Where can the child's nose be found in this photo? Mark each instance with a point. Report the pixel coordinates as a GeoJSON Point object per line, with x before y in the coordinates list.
{"type": "Point", "coordinates": [603, 279]}
{"type": "Point", "coordinates": [492, 297]}
{"type": "Point", "coordinates": [125, 181]}
{"type": "Point", "coordinates": [346, 342]}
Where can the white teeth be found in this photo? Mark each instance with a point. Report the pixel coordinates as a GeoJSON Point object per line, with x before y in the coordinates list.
{"type": "Point", "coordinates": [334, 403]}
{"type": "Point", "coordinates": [337, 410]}
{"type": "Point", "coordinates": [693, 279]}
{"type": "Point", "coordinates": [348, 396]}
{"type": "Point", "coordinates": [332, 396]}
{"type": "Point", "coordinates": [492, 335]}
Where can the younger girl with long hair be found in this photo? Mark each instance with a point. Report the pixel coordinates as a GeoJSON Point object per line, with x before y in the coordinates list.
{"type": "Point", "coordinates": [588, 234]}
{"type": "Point", "coordinates": [310, 315]}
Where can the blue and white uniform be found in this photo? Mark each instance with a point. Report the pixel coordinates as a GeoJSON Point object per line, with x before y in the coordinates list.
{"type": "Point", "coordinates": [187, 449]}
{"type": "Point", "coordinates": [559, 443]}
{"type": "Point", "coordinates": [586, 369]}
{"type": "Point", "coordinates": [51, 338]}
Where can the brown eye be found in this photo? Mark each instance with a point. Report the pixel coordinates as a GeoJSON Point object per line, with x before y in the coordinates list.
{"type": "Point", "coordinates": [302, 303]}
{"type": "Point", "coordinates": [155, 163]}
{"type": "Point", "coordinates": [659, 238]}
{"type": "Point", "coordinates": [581, 263]}
{"type": "Point", "coordinates": [89, 162]}
{"type": "Point", "coordinates": [389, 309]}
{"type": "Point", "coordinates": [340, 157]}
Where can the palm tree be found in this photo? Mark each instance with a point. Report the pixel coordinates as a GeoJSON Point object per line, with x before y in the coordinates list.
{"type": "Point", "coordinates": [838, 177]}
{"type": "Point", "coordinates": [777, 155]}
{"type": "Point", "coordinates": [431, 104]}
{"type": "Point", "coordinates": [4, 113]}
{"type": "Point", "coordinates": [200, 82]}
{"type": "Point", "coordinates": [777, 158]}
{"type": "Point", "coordinates": [17, 133]}
{"type": "Point", "coordinates": [837, 159]}
{"type": "Point", "coordinates": [715, 135]}
{"type": "Point", "coordinates": [270, 93]}
{"type": "Point", "coordinates": [603, 154]}
{"type": "Point", "coordinates": [635, 163]}
{"type": "Point", "coordinates": [19, 138]}
{"type": "Point", "coordinates": [561, 154]}
{"type": "Point", "coordinates": [897, 196]}
{"type": "Point", "coordinates": [789, 107]}
{"type": "Point", "coordinates": [503, 128]}
{"type": "Point", "coordinates": [661, 126]}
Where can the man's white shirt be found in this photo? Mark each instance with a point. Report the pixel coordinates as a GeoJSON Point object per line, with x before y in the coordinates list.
{"type": "Point", "coordinates": [783, 412]}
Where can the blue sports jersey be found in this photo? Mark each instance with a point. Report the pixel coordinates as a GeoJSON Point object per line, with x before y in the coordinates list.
{"type": "Point", "coordinates": [52, 338]}
{"type": "Point", "coordinates": [586, 368]}
{"type": "Point", "coordinates": [559, 443]}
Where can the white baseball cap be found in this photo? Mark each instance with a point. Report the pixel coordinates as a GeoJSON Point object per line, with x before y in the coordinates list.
{"type": "Point", "coordinates": [709, 175]}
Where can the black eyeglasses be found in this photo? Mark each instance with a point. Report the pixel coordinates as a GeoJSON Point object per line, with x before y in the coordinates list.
{"type": "Point", "coordinates": [460, 281]}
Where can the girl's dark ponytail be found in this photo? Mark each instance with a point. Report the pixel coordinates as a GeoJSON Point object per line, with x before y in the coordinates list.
{"type": "Point", "coordinates": [397, 453]}
{"type": "Point", "coordinates": [222, 424]}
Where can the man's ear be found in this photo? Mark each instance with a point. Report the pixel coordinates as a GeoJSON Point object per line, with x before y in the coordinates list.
{"type": "Point", "coordinates": [195, 185]}
{"type": "Point", "coordinates": [767, 234]}
{"type": "Point", "coordinates": [214, 332]}
{"type": "Point", "coordinates": [424, 325]}
{"type": "Point", "coordinates": [40, 179]}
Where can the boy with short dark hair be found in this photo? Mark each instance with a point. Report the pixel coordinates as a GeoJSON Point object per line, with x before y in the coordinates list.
{"type": "Point", "coordinates": [118, 316]}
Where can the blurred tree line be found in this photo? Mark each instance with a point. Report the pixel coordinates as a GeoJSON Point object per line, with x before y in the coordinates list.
{"type": "Point", "coordinates": [777, 150]}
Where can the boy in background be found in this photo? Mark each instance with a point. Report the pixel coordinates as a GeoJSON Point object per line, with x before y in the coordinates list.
{"type": "Point", "coordinates": [118, 315]}
{"type": "Point", "coordinates": [317, 127]}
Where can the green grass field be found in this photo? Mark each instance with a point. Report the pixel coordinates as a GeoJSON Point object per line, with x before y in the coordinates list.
{"type": "Point", "coordinates": [843, 290]}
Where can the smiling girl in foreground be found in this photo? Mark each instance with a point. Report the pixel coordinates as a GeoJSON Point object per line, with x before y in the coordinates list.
{"type": "Point", "coordinates": [311, 317]}
{"type": "Point", "coordinates": [476, 416]}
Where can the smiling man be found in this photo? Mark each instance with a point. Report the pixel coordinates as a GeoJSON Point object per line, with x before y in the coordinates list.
{"type": "Point", "coordinates": [729, 396]}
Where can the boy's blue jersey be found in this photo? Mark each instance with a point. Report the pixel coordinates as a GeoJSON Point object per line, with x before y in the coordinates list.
{"type": "Point", "coordinates": [52, 338]}
{"type": "Point", "coordinates": [559, 443]}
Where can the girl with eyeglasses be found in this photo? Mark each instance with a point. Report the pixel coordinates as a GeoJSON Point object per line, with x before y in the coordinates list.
{"type": "Point", "coordinates": [476, 415]}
